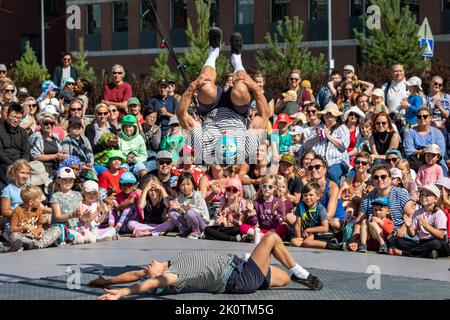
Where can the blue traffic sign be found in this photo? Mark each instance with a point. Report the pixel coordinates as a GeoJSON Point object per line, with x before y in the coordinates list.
{"type": "Point", "coordinates": [429, 46]}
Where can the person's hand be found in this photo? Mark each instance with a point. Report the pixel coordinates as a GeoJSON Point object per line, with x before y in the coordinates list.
{"type": "Point", "coordinates": [187, 207]}
{"type": "Point", "coordinates": [275, 208]}
{"type": "Point", "coordinates": [219, 219]}
{"type": "Point", "coordinates": [368, 189]}
{"type": "Point", "coordinates": [404, 104]}
{"type": "Point", "coordinates": [100, 282]}
{"type": "Point", "coordinates": [155, 129]}
{"type": "Point", "coordinates": [306, 233]}
{"type": "Point", "coordinates": [235, 222]}
{"type": "Point", "coordinates": [302, 172]}
{"type": "Point", "coordinates": [401, 232]}
{"type": "Point", "coordinates": [437, 101]}
{"type": "Point", "coordinates": [250, 205]}
{"type": "Point", "coordinates": [376, 219]}
{"type": "Point", "coordinates": [39, 234]}
{"type": "Point", "coordinates": [418, 153]}
{"type": "Point", "coordinates": [61, 156]}
{"type": "Point", "coordinates": [415, 197]}
{"type": "Point", "coordinates": [424, 222]}
{"type": "Point", "coordinates": [175, 205]}
{"type": "Point", "coordinates": [112, 141]}
{"type": "Point", "coordinates": [110, 295]}
{"type": "Point", "coordinates": [326, 133]}
{"type": "Point", "coordinates": [75, 213]}
{"type": "Point", "coordinates": [215, 188]}
{"type": "Point", "coordinates": [407, 220]}
{"type": "Point", "coordinates": [346, 194]}
{"type": "Point", "coordinates": [248, 81]}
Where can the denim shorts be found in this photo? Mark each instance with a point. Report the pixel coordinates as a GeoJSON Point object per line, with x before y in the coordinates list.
{"type": "Point", "coordinates": [247, 277]}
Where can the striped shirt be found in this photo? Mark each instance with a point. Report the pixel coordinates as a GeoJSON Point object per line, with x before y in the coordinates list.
{"type": "Point", "coordinates": [398, 198]}
{"type": "Point", "coordinates": [202, 269]}
{"type": "Point", "coordinates": [219, 122]}
{"type": "Point", "coordinates": [327, 149]}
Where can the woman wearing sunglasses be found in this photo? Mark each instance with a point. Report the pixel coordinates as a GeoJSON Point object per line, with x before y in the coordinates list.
{"type": "Point", "coordinates": [230, 217]}
{"type": "Point", "coordinates": [75, 110]}
{"type": "Point", "coordinates": [384, 137]}
{"type": "Point", "coordinates": [438, 101]}
{"type": "Point", "coordinates": [420, 137]}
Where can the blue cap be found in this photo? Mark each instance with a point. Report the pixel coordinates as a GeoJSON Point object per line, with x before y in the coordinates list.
{"type": "Point", "coordinates": [383, 201]}
{"type": "Point", "coordinates": [127, 177]}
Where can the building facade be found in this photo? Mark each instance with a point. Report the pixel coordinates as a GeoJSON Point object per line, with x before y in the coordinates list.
{"type": "Point", "coordinates": [20, 21]}
{"type": "Point", "coordinates": [115, 33]}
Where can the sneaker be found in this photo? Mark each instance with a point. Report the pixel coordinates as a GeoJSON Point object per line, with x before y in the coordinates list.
{"type": "Point", "coordinates": [194, 235]}
{"type": "Point", "coordinates": [238, 238]}
{"type": "Point", "coordinates": [236, 43]}
{"type": "Point", "coordinates": [215, 37]}
{"type": "Point", "coordinates": [16, 246]}
{"type": "Point", "coordinates": [182, 235]}
{"type": "Point", "coordinates": [311, 282]}
{"type": "Point", "coordinates": [433, 254]}
{"type": "Point", "coordinates": [362, 248]}
{"type": "Point", "coordinates": [27, 246]}
{"type": "Point", "coordinates": [383, 249]}
{"type": "Point", "coordinates": [333, 246]}
{"type": "Point", "coordinates": [245, 238]}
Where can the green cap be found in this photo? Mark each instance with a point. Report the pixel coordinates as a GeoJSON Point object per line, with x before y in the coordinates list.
{"type": "Point", "coordinates": [134, 100]}
{"type": "Point", "coordinates": [288, 158]}
{"type": "Point", "coordinates": [115, 154]}
{"type": "Point", "coordinates": [129, 119]}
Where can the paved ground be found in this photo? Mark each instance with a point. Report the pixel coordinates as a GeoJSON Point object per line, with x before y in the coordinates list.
{"type": "Point", "coordinates": [41, 274]}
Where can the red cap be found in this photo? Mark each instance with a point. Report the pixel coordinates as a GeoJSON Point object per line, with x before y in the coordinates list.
{"type": "Point", "coordinates": [282, 117]}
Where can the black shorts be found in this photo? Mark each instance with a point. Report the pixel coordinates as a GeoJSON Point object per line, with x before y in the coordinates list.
{"type": "Point", "coordinates": [247, 277]}
{"type": "Point", "coordinates": [223, 99]}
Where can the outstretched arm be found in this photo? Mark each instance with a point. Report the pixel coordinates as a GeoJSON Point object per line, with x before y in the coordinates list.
{"type": "Point", "coordinates": [187, 122]}
{"type": "Point", "coordinates": [127, 277]}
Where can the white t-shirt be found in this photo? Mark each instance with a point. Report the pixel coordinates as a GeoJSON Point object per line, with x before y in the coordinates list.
{"type": "Point", "coordinates": [396, 93]}
{"type": "Point", "coordinates": [65, 74]}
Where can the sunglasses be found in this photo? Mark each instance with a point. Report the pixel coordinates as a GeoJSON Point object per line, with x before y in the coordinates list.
{"type": "Point", "coordinates": [33, 105]}
{"type": "Point", "coordinates": [294, 79]}
{"type": "Point", "coordinates": [3, 72]}
{"type": "Point", "coordinates": [76, 109]}
{"type": "Point", "coordinates": [166, 162]}
{"type": "Point", "coordinates": [48, 123]}
{"type": "Point", "coordinates": [311, 111]}
{"type": "Point", "coordinates": [102, 113]}
{"type": "Point", "coordinates": [391, 160]}
{"type": "Point", "coordinates": [113, 111]}
{"type": "Point", "coordinates": [382, 177]}
{"type": "Point", "coordinates": [353, 115]}
{"type": "Point", "coordinates": [117, 72]}
{"type": "Point", "coordinates": [317, 167]}
{"type": "Point", "coordinates": [67, 59]}
{"type": "Point", "coordinates": [422, 116]}
{"type": "Point", "coordinates": [440, 85]}
{"type": "Point", "coordinates": [381, 123]}
{"type": "Point", "coordinates": [231, 189]}
{"type": "Point", "coordinates": [267, 186]}
{"type": "Point", "coordinates": [8, 91]}
{"type": "Point", "coordinates": [358, 162]}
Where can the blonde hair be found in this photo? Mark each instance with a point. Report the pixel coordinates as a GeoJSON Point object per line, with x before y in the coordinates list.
{"type": "Point", "coordinates": [280, 180]}
{"type": "Point", "coordinates": [404, 162]}
{"type": "Point", "coordinates": [30, 192]}
{"type": "Point", "coordinates": [264, 180]}
{"type": "Point", "coordinates": [16, 166]}
{"type": "Point", "coordinates": [158, 182]}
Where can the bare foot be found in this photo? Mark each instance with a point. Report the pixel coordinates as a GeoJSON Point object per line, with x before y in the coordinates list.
{"type": "Point", "coordinates": [142, 233]}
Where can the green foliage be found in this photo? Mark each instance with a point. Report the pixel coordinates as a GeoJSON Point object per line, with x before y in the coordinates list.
{"type": "Point", "coordinates": [161, 68]}
{"type": "Point", "coordinates": [194, 58]}
{"type": "Point", "coordinates": [28, 70]}
{"type": "Point", "coordinates": [396, 42]}
{"type": "Point", "coordinates": [280, 60]}
{"type": "Point", "coordinates": [81, 64]}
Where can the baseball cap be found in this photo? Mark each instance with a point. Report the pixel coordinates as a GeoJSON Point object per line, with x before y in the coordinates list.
{"type": "Point", "coordinates": [431, 188]}
{"type": "Point", "coordinates": [22, 91]}
{"type": "Point", "coordinates": [394, 151]}
{"type": "Point", "coordinates": [134, 100]}
{"type": "Point", "coordinates": [383, 201]}
{"type": "Point", "coordinates": [90, 186]}
{"type": "Point", "coordinates": [173, 120]}
{"type": "Point", "coordinates": [295, 130]}
{"type": "Point", "coordinates": [127, 177]}
{"type": "Point", "coordinates": [378, 93]}
{"type": "Point", "coordinates": [396, 173]}
{"type": "Point", "coordinates": [66, 173]}
{"type": "Point", "coordinates": [433, 148]}
{"type": "Point", "coordinates": [349, 67]}
{"type": "Point", "coordinates": [3, 67]}
{"type": "Point", "coordinates": [75, 121]}
{"type": "Point", "coordinates": [288, 158]}
{"type": "Point", "coordinates": [163, 82]}
{"type": "Point", "coordinates": [164, 154]}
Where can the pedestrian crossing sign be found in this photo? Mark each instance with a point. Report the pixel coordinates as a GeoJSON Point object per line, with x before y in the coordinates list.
{"type": "Point", "coordinates": [429, 46]}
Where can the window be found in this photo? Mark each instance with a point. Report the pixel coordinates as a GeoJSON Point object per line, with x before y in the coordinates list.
{"type": "Point", "coordinates": [244, 12]}
{"type": "Point", "coordinates": [120, 13]}
{"type": "Point", "coordinates": [318, 10]}
{"type": "Point", "coordinates": [357, 8]}
{"type": "Point", "coordinates": [35, 43]}
{"type": "Point", "coordinates": [214, 13]}
{"type": "Point", "coordinates": [148, 23]}
{"type": "Point", "coordinates": [50, 8]}
{"type": "Point", "coordinates": [446, 4]}
{"type": "Point", "coordinates": [94, 19]}
{"type": "Point", "coordinates": [178, 14]}
{"type": "Point", "coordinates": [280, 9]}
{"type": "Point", "coordinates": [413, 7]}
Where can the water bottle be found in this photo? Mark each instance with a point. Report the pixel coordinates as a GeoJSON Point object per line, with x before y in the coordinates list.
{"type": "Point", "coordinates": [257, 237]}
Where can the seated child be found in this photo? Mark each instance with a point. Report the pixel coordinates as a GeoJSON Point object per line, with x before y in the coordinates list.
{"type": "Point", "coordinates": [26, 221]}
{"type": "Point", "coordinates": [380, 226]}
{"type": "Point", "coordinates": [109, 179]}
{"type": "Point", "coordinates": [431, 171]}
{"type": "Point", "coordinates": [126, 206]}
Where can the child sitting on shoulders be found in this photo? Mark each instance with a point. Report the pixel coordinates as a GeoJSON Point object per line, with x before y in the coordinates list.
{"type": "Point", "coordinates": [26, 221]}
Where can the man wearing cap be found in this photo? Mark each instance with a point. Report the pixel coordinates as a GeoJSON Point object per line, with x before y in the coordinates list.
{"type": "Point", "coordinates": [286, 105]}
{"type": "Point", "coordinates": [3, 72]}
{"type": "Point", "coordinates": [164, 104]}
{"type": "Point", "coordinates": [164, 164]}
{"type": "Point", "coordinates": [22, 94]}
{"type": "Point", "coordinates": [76, 144]}
{"type": "Point", "coordinates": [14, 143]}
{"type": "Point", "coordinates": [134, 108]}
{"type": "Point", "coordinates": [118, 91]}
{"type": "Point", "coordinates": [65, 70]}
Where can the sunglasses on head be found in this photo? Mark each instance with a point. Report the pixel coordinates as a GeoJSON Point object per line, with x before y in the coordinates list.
{"type": "Point", "coordinates": [231, 189]}
{"type": "Point", "coordinates": [317, 167]}
{"type": "Point", "coordinates": [267, 186]}
{"type": "Point", "coordinates": [391, 160]}
{"type": "Point", "coordinates": [382, 177]}
{"type": "Point", "coordinates": [358, 162]}
{"type": "Point", "coordinates": [166, 162]}
{"type": "Point", "coordinates": [422, 116]}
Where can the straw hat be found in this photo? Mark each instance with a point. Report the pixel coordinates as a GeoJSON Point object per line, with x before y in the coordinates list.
{"type": "Point", "coordinates": [331, 108]}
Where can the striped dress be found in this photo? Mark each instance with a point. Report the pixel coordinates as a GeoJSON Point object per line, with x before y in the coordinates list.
{"type": "Point", "coordinates": [219, 122]}
{"type": "Point", "coordinates": [202, 269]}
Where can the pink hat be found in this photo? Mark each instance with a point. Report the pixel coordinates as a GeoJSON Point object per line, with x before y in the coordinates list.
{"type": "Point", "coordinates": [235, 182]}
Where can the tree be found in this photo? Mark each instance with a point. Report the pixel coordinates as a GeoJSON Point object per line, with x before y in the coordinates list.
{"type": "Point", "coordinates": [28, 70]}
{"type": "Point", "coordinates": [396, 42]}
{"type": "Point", "coordinates": [194, 58]}
{"type": "Point", "coordinates": [280, 60]}
{"type": "Point", "coordinates": [161, 68]}
{"type": "Point", "coordinates": [81, 64]}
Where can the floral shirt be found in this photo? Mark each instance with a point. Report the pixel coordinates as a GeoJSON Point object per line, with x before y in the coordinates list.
{"type": "Point", "coordinates": [68, 202]}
